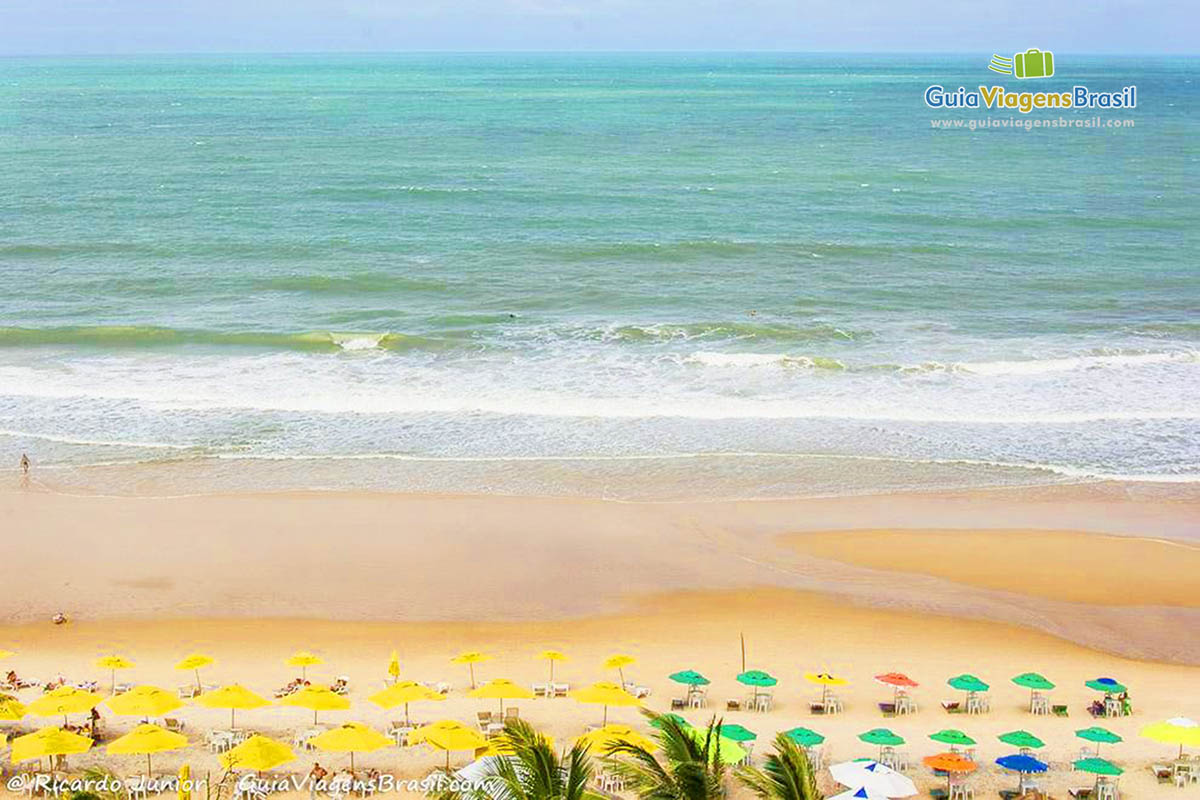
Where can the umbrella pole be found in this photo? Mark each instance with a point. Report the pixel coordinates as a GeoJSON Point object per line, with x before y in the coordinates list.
{"type": "Point", "coordinates": [406, 722]}
{"type": "Point", "coordinates": [147, 766]}
{"type": "Point", "coordinates": [552, 670]}
{"type": "Point", "coordinates": [232, 724]}
{"type": "Point", "coordinates": [197, 671]}
{"type": "Point", "coordinates": [621, 672]}
{"type": "Point", "coordinates": [606, 714]}
{"type": "Point", "coordinates": [314, 716]}
{"type": "Point", "coordinates": [472, 668]}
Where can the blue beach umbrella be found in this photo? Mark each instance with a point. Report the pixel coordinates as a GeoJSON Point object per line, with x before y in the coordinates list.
{"type": "Point", "coordinates": [1022, 764]}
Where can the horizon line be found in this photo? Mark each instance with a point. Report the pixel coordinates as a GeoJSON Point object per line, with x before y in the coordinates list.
{"type": "Point", "coordinates": [576, 51]}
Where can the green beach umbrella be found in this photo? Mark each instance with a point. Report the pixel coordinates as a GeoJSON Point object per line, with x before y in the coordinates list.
{"type": "Point", "coordinates": [967, 683]}
{"type": "Point", "coordinates": [756, 677]}
{"type": "Point", "coordinates": [805, 737]}
{"type": "Point", "coordinates": [657, 723]}
{"type": "Point", "coordinates": [1098, 766]}
{"type": "Point", "coordinates": [1106, 685]}
{"type": "Point", "coordinates": [1099, 736]}
{"type": "Point", "coordinates": [689, 677]}
{"type": "Point", "coordinates": [1022, 739]}
{"type": "Point", "coordinates": [882, 737]}
{"type": "Point", "coordinates": [730, 751]}
{"type": "Point", "coordinates": [738, 733]}
{"type": "Point", "coordinates": [952, 737]}
{"type": "Point", "coordinates": [1033, 680]}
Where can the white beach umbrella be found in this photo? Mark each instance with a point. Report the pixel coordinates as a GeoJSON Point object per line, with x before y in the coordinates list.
{"type": "Point", "coordinates": [876, 778]}
{"type": "Point", "coordinates": [859, 794]}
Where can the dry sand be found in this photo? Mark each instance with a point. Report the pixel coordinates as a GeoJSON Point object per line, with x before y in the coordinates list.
{"type": "Point", "coordinates": [251, 578]}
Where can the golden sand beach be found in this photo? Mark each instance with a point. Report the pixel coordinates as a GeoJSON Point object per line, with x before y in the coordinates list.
{"type": "Point", "coordinates": [1075, 583]}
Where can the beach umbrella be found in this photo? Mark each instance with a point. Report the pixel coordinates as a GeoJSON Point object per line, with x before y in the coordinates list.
{"type": "Point", "coordinates": [1023, 765]}
{"type": "Point", "coordinates": [143, 701]}
{"type": "Point", "coordinates": [1022, 739]}
{"type": "Point", "coordinates": [729, 751]}
{"type": "Point", "coordinates": [316, 698]}
{"type": "Point", "coordinates": [304, 659]}
{"type": "Point", "coordinates": [146, 739]}
{"type": "Point", "coordinates": [448, 735]}
{"type": "Point", "coordinates": [757, 678]}
{"type": "Point", "coordinates": [689, 678]}
{"type": "Point", "coordinates": [49, 741]}
{"type": "Point", "coordinates": [234, 697]}
{"type": "Point", "coordinates": [950, 763]}
{"type": "Point", "coordinates": [350, 737]}
{"type": "Point", "coordinates": [603, 740]}
{"type": "Point", "coordinates": [619, 661]}
{"type": "Point", "coordinates": [882, 737]}
{"type": "Point", "coordinates": [112, 664]}
{"type": "Point", "coordinates": [898, 681]}
{"type": "Point", "coordinates": [1033, 681]}
{"type": "Point", "coordinates": [1099, 736]}
{"type": "Point", "coordinates": [738, 733]}
{"type": "Point", "coordinates": [259, 753]}
{"type": "Point", "coordinates": [471, 658]}
{"type": "Point", "coordinates": [1177, 730]}
{"type": "Point", "coordinates": [1097, 766]}
{"type": "Point", "coordinates": [552, 656]}
{"type": "Point", "coordinates": [403, 693]}
{"type": "Point", "coordinates": [825, 680]}
{"type": "Point", "coordinates": [952, 737]}
{"type": "Point", "coordinates": [502, 689]}
{"type": "Point", "coordinates": [11, 709]}
{"type": "Point", "coordinates": [967, 683]}
{"type": "Point", "coordinates": [876, 778]}
{"type": "Point", "coordinates": [1106, 685]}
{"type": "Point", "coordinates": [5, 654]}
{"type": "Point", "coordinates": [657, 722]}
{"type": "Point", "coordinates": [393, 667]}
{"type": "Point", "coordinates": [805, 737]}
{"type": "Point", "coordinates": [63, 700]}
{"type": "Point", "coordinates": [606, 694]}
{"type": "Point", "coordinates": [194, 663]}
{"type": "Point", "coordinates": [859, 794]}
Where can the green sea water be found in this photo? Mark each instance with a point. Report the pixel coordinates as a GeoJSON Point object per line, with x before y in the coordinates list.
{"type": "Point", "coordinates": [638, 275]}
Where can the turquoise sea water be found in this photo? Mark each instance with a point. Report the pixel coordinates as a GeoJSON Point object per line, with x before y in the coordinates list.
{"type": "Point", "coordinates": [635, 275]}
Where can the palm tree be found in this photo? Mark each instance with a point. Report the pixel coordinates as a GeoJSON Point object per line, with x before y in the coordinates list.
{"type": "Point", "coordinates": [531, 770]}
{"type": "Point", "coordinates": [787, 774]}
{"type": "Point", "coordinates": [691, 768]}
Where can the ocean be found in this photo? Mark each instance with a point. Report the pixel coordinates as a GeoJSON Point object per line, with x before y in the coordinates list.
{"type": "Point", "coordinates": [640, 276]}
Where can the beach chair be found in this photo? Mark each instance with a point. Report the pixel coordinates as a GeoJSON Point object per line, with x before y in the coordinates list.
{"type": "Point", "coordinates": [1060, 711]}
{"type": "Point", "coordinates": [540, 690]}
{"type": "Point", "coordinates": [189, 691]}
{"type": "Point", "coordinates": [952, 706]}
{"type": "Point", "coordinates": [560, 689]}
{"type": "Point", "coordinates": [1080, 792]}
{"type": "Point", "coordinates": [483, 719]}
{"type": "Point", "coordinates": [887, 709]}
{"type": "Point", "coordinates": [678, 704]}
{"type": "Point", "coordinates": [512, 713]}
{"type": "Point", "coordinates": [442, 688]}
{"type": "Point", "coordinates": [733, 705]}
{"type": "Point", "coordinates": [172, 724]}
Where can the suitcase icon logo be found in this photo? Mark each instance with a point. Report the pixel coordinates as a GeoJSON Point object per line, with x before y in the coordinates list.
{"type": "Point", "coordinates": [1033, 63]}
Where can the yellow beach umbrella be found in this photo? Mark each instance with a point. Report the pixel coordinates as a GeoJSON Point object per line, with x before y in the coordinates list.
{"type": "Point", "coordinates": [5, 654]}
{"type": "Point", "coordinates": [403, 693]}
{"type": "Point", "coordinates": [304, 660]}
{"type": "Point", "coordinates": [449, 735]}
{"type": "Point", "coordinates": [258, 753]}
{"type": "Point", "coordinates": [63, 700]}
{"type": "Point", "coordinates": [825, 680]}
{"type": "Point", "coordinates": [112, 664]}
{"type": "Point", "coordinates": [552, 656]}
{"type": "Point", "coordinates": [234, 697]}
{"type": "Point", "coordinates": [502, 689]}
{"type": "Point", "coordinates": [393, 668]}
{"type": "Point", "coordinates": [49, 741]}
{"type": "Point", "coordinates": [606, 694]}
{"type": "Point", "coordinates": [146, 739]}
{"type": "Point", "coordinates": [605, 739]}
{"type": "Point", "coordinates": [1178, 730]}
{"type": "Point", "coordinates": [619, 661]}
{"type": "Point", "coordinates": [471, 658]}
{"type": "Point", "coordinates": [11, 709]}
{"type": "Point", "coordinates": [317, 698]}
{"type": "Point", "coordinates": [143, 701]}
{"type": "Point", "coordinates": [195, 662]}
{"type": "Point", "coordinates": [350, 737]}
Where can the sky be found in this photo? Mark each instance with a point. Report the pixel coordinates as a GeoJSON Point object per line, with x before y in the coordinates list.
{"type": "Point", "coordinates": [189, 26]}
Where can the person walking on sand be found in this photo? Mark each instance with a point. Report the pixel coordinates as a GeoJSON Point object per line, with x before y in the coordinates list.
{"type": "Point", "coordinates": [25, 464]}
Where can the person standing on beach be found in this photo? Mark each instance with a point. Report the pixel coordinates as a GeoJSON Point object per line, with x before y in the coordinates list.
{"type": "Point", "coordinates": [25, 464]}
